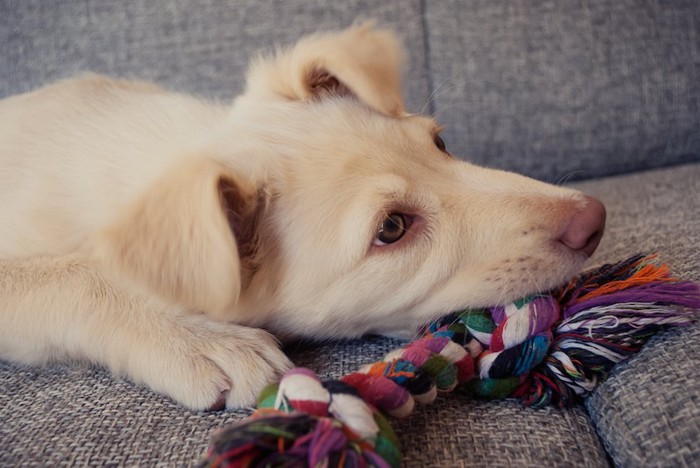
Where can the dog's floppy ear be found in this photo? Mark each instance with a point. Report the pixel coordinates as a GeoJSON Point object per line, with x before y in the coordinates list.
{"type": "Point", "coordinates": [362, 61]}
{"type": "Point", "coordinates": [181, 238]}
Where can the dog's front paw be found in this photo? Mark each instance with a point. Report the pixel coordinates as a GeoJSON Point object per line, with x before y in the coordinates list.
{"type": "Point", "coordinates": [208, 365]}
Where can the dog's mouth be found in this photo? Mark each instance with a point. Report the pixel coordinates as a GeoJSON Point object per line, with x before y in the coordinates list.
{"type": "Point", "coordinates": [550, 274]}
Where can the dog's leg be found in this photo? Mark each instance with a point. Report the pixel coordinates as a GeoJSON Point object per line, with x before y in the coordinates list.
{"type": "Point", "coordinates": [56, 308]}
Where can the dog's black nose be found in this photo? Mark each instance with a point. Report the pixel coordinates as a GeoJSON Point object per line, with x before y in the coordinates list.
{"type": "Point", "coordinates": [585, 229]}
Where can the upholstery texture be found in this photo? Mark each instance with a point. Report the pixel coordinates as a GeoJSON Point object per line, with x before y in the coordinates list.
{"type": "Point", "coordinates": [553, 90]}
{"type": "Point", "coordinates": [567, 89]}
{"type": "Point", "coordinates": [646, 414]}
{"type": "Point", "coordinates": [68, 415]}
{"type": "Point", "coordinates": [202, 47]}
{"type": "Point", "coordinates": [558, 90]}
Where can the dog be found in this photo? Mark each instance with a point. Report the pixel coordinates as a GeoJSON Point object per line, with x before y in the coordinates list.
{"type": "Point", "coordinates": [174, 240]}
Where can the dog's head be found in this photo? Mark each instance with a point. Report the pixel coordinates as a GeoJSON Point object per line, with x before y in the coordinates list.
{"type": "Point", "coordinates": [322, 208]}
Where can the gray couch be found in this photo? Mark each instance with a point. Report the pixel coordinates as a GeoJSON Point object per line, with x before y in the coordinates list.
{"type": "Point", "coordinates": [602, 95]}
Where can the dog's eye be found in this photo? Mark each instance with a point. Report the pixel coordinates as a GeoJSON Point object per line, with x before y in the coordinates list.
{"type": "Point", "coordinates": [392, 229]}
{"type": "Point", "coordinates": [440, 143]}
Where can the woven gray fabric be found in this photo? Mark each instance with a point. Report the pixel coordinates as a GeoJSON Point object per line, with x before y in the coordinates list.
{"type": "Point", "coordinates": [567, 90]}
{"type": "Point", "coordinates": [655, 211]}
{"type": "Point", "coordinates": [81, 415]}
{"type": "Point", "coordinates": [201, 47]}
{"type": "Point", "coordinates": [457, 431]}
{"type": "Point", "coordinates": [553, 89]}
{"type": "Point", "coordinates": [647, 413]}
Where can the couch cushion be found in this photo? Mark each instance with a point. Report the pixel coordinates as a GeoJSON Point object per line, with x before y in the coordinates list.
{"type": "Point", "coordinates": [567, 89]}
{"type": "Point", "coordinates": [647, 413]}
{"type": "Point", "coordinates": [83, 416]}
{"type": "Point", "coordinates": [202, 47]}
{"type": "Point", "coordinates": [459, 431]}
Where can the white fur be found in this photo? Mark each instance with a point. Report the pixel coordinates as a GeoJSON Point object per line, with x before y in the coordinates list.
{"type": "Point", "coordinates": [120, 202]}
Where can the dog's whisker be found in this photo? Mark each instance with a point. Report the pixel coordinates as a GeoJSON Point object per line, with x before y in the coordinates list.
{"type": "Point", "coordinates": [432, 96]}
{"type": "Point", "coordinates": [533, 279]}
{"type": "Point", "coordinates": [439, 91]}
{"type": "Point", "coordinates": [567, 176]}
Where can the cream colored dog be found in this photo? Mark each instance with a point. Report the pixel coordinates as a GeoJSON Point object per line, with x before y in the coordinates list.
{"type": "Point", "coordinates": [158, 235]}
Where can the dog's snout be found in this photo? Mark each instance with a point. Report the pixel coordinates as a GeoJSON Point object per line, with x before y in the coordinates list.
{"type": "Point", "coordinates": [585, 229]}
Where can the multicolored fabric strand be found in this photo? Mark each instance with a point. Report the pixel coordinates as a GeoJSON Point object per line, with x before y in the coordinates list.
{"type": "Point", "coordinates": [545, 349]}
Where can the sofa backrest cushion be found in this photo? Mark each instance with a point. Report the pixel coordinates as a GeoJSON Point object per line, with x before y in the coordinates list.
{"type": "Point", "coordinates": [556, 90]}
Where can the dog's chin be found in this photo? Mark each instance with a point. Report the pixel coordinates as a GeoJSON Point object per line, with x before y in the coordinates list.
{"type": "Point", "coordinates": [539, 276]}
{"type": "Point", "coordinates": [507, 295]}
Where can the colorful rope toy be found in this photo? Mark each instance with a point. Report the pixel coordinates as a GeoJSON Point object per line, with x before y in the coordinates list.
{"type": "Point", "coordinates": [546, 349]}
